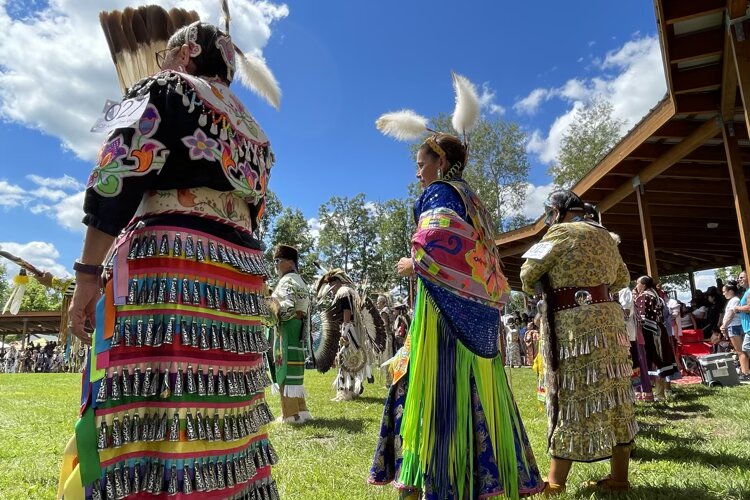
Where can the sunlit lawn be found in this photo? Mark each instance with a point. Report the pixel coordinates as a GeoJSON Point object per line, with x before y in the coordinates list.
{"type": "Point", "coordinates": [697, 447]}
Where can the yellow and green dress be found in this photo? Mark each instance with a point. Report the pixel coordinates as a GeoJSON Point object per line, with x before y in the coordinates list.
{"type": "Point", "coordinates": [589, 397]}
{"type": "Point", "coordinates": [289, 344]}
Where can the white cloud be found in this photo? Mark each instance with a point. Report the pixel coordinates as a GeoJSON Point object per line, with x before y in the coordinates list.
{"type": "Point", "coordinates": [41, 254]}
{"type": "Point", "coordinates": [69, 213]}
{"type": "Point", "coordinates": [49, 194]}
{"type": "Point", "coordinates": [487, 100]}
{"type": "Point", "coordinates": [12, 195]}
{"type": "Point", "coordinates": [314, 224]}
{"type": "Point", "coordinates": [533, 204]}
{"type": "Point", "coordinates": [46, 85]}
{"type": "Point", "coordinates": [64, 182]}
{"type": "Point", "coordinates": [631, 78]}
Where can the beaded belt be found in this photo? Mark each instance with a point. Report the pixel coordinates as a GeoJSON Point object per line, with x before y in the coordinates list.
{"type": "Point", "coordinates": [221, 206]}
{"type": "Point", "coordinates": [570, 297]}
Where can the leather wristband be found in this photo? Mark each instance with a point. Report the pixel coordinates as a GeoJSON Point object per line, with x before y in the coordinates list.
{"type": "Point", "coordinates": [91, 269]}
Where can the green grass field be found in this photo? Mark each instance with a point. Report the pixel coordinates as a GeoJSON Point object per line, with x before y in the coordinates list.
{"type": "Point", "coordinates": [696, 447]}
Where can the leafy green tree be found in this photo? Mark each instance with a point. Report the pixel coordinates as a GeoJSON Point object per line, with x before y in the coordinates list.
{"type": "Point", "coordinates": [498, 167]}
{"type": "Point", "coordinates": [37, 297]}
{"type": "Point", "coordinates": [271, 212]}
{"type": "Point", "coordinates": [591, 135]}
{"type": "Point", "coordinates": [675, 282]}
{"type": "Point", "coordinates": [4, 284]}
{"type": "Point", "coordinates": [291, 228]}
{"type": "Point", "coordinates": [348, 236]}
{"type": "Point", "coordinates": [395, 229]}
{"type": "Point", "coordinates": [730, 273]}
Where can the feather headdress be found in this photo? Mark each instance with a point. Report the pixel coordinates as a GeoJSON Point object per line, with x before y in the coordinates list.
{"type": "Point", "coordinates": [466, 114]}
{"type": "Point", "coordinates": [256, 76]}
{"type": "Point", "coordinates": [406, 125]}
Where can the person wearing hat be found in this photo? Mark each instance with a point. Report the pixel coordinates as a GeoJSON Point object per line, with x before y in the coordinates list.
{"type": "Point", "coordinates": [292, 301]}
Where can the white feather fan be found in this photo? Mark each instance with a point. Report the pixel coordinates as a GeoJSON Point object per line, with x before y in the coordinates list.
{"type": "Point", "coordinates": [255, 75]}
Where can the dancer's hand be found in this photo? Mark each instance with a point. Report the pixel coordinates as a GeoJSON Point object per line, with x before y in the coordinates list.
{"type": "Point", "coordinates": [405, 267]}
{"type": "Point", "coordinates": [83, 306]}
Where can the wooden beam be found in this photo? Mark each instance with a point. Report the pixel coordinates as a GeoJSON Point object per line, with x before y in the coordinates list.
{"type": "Point", "coordinates": [707, 154]}
{"type": "Point", "coordinates": [741, 56]}
{"type": "Point", "coordinates": [728, 80]}
{"type": "Point", "coordinates": [736, 8]}
{"type": "Point", "coordinates": [648, 238]}
{"type": "Point", "coordinates": [698, 79]}
{"type": "Point", "coordinates": [696, 45]}
{"type": "Point", "coordinates": [739, 191]}
{"type": "Point", "coordinates": [682, 10]}
{"type": "Point", "coordinates": [705, 102]}
{"type": "Point", "coordinates": [675, 154]}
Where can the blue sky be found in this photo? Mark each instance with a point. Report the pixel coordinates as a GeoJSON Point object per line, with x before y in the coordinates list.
{"type": "Point", "coordinates": [340, 65]}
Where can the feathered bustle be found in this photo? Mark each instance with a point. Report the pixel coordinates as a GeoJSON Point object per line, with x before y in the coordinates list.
{"type": "Point", "coordinates": [255, 75]}
{"type": "Point", "coordinates": [466, 114]}
{"type": "Point", "coordinates": [404, 125]}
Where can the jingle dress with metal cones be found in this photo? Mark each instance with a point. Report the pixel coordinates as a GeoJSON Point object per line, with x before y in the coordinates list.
{"type": "Point", "coordinates": [173, 393]}
{"type": "Point", "coordinates": [589, 398]}
{"type": "Point", "coordinates": [450, 426]}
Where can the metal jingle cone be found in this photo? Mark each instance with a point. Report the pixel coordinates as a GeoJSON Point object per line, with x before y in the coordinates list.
{"type": "Point", "coordinates": [173, 292]}
{"type": "Point", "coordinates": [221, 390]}
{"type": "Point", "coordinates": [165, 391]}
{"type": "Point", "coordinates": [149, 427]}
{"type": "Point", "coordinates": [228, 299]}
{"type": "Point", "coordinates": [152, 483]}
{"type": "Point", "coordinates": [200, 424]}
{"type": "Point", "coordinates": [137, 381]}
{"type": "Point", "coordinates": [217, 427]}
{"type": "Point", "coordinates": [223, 254]}
{"type": "Point", "coordinates": [161, 432]}
{"type": "Point", "coordinates": [132, 291]}
{"type": "Point", "coordinates": [224, 338]}
{"type": "Point", "coordinates": [253, 299]}
{"type": "Point", "coordinates": [153, 290]}
{"type": "Point", "coordinates": [179, 383]}
{"type": "Point", "coordinates": [209, 430]}
{"type": "Point", "coordinates": [139, 331]}
{"type": "Point", "coordinates": [232, 258]}
{"type": "Point", "coordinates": [212, 255]}
{"type": "Point", "coordinates": [115, 396]}
{"type": "Point", "coordinates": [145, 477]}
{"type": "Point", "coordinates": [172, 487]}
{"type": "Point", "coordinates": [242, 302]}
{"type": "Point", "coordinates": [126, 486]}
{"type": "Point", "coordinates": [142, 295]}
{"type": "Point", "coordinates": [214, 337]}
{"type": "Point", "coordinates": [252, 346]}
{"type": "Point", "coordinates": [127, 333]}
{"type": "Point", "coordinates": [102, 441]}
{"type": "Point", "coordinates": [241, 384]}
{"type": "Point", "coordinates": [101, 394]}
{"type": "Point", "coordinates": [274, 490]}
{"type": "Point", "coordinates": [248, 464]}
{"type": "Point", "coordinates": [239, 476]}
{"type": "Point", "coordinates": [137, 477]}
{"type": "Point", "coordinates": [164, 245]}
{"type": "Point", "coordinates": [169, 331]}
{"type": "Point", "coordinates": [241, 430]}
{"type": "Point", "coordinates": [185, 292]}
{"type": "Point", "coordinates": [231, 388]}
{"type": "Point", "coordinates": [184, 332]}
{"type": "Point", "coordinates": [192, 435]}
{"type": "Point", "coordinates": [267, 411]}
{"type": "Point", "coordinates": [220, 477]}
{"type": "Point", "coordinates": [126, 382]}
{"type": "Point", "coordinates": [211, 382]}
{"type": "Point", "coordinates": [187, 482]}
{"type": "Point", "coordinates": [200, 255]}
{"type": "Point", "coordinates": [273, 458]}
{"type": "Point", "coordinates": [158, 332]}
{"type": "Point", "coordinates": [191, 388]}
{"type": "Point", "coordinates": [194, 340]}
{"type": "Point", "coordinates": [146, 388]}
{"type": "Point", "coordinates": [135, 429]}
{"type": "Point", "coordinates": [204, 337]}
{"type": "Point", "coordinates": [200, 480]}
{"type": "Point", "coordinates": [232, 340]}
{"type": "Point", "coordinates": [125, 429]}
{"type": "Point", "coordinates": [155, 383]}
{"type": "Point", "coordinates": [228, 429]}
{"type": "Point", "coordinates": [177, 247]}
{"type": "Point", "coordinates": [212, 483]}
{"type": "Point", "coordinates": [239, 339]}
{"type": "Point", "coordinates": [161, 294]}
{"type": "Point", "coordinates": [201, 383]}
{"type": "Point", "coordinates": [196, 293]}
{"type": "Point", "coordinates": [235, 428]}
{"type": "Point", "coordinates": [133, 252]}
{"type": "Point", "coordinates": [218, 302]}
{"type": "Point", "coordinates": [117, 478]}
{"type": "Point", "coordinates": [246, 423]}
{"type": "Point", "coordinates": [116, 335]}
{"type": "Point", "coordinates": [174, 427]}
{"type": "Point", "coordinates": [109, 487]}
{"type": "Point", "coordinates": [116, 433]}
{"type": "Point", "coordinates": [149, 341]}
{"type": "Point", "coordinates": [230, 472]}
{"type": "Point", "coordinates": [189, 247]}
{"type": "Point", "coordinates": [142, 243]}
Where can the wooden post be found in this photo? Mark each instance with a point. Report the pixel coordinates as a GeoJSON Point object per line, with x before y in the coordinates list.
{"type": "Point", "coordinates": [23, 334]}
{"type": "Point", "coordinates": [648, 238]}
{"type": "Point", "coordinates": [740, 32]}
{"type": "Point", "coordinates": [691, 277]}
{"type": "Point", "coordinates": [739, 188]}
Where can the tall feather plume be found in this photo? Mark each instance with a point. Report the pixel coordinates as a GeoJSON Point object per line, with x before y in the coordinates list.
{"type": "Point", "coordinates": [404, 125]}
{"type": "Point", "coordinates": [255, 75]}
{"type": "Point", "coordinates": [139, 66]}
{"type": "Point", "coordinates": [159, 26]}
{"type": "Point", "coordinates": [225, 17]}
{"type": "Point", "coordinates": [466, 114]}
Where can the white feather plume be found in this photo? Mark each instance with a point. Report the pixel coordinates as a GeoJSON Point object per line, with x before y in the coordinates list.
{"type": "Point", "coordinates": [404, 125]}
{"type": "Point", "coordinates": [255, 75]}
{"type": "Point", "coordinates": [466, 114]}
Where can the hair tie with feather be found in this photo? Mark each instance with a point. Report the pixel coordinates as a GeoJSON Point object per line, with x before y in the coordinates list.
{"type": "Point", "coordinates": [467, 111]}
{"type": "Point", "coordinates": [404, 125]}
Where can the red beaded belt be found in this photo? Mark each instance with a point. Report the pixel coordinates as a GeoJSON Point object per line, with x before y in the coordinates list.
{"type": "Point", "coordinates": [576, 296]}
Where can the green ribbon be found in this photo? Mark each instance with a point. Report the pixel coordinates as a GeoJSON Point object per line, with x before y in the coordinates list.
{"type": "Point", "coordinates": [88, 456]}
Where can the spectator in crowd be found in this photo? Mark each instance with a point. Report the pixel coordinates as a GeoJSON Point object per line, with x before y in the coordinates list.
{"type": "Point", "coordinates": [732, 326]}
{"type": "Point", "coordinates": [743, 309]}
